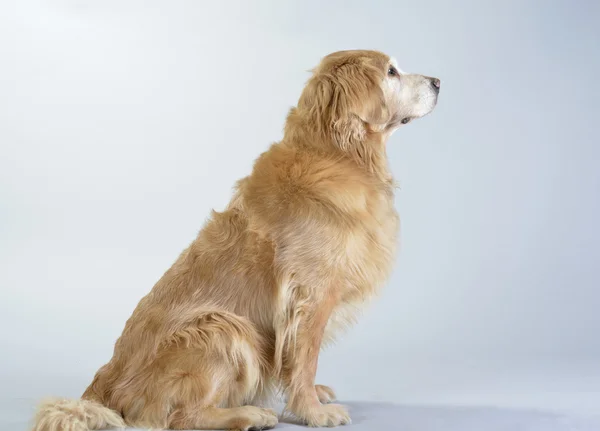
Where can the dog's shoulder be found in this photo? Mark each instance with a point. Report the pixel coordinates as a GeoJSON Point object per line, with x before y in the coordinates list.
{"type": "Point", "coordinates": [299, 179]}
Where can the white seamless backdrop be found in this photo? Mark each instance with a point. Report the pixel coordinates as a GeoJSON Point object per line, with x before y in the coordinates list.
{"type": "Point", "coordinates": [124, 122]}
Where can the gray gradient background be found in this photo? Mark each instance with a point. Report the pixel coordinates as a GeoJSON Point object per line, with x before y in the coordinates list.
{"type": "Point", "coordinates": [124, 122]}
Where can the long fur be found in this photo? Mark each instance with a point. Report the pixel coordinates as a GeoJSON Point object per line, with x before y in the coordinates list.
{"type": "Point", "coordinates": [307, 239]}
{"type": "Point", "coordinates": [75, 415]}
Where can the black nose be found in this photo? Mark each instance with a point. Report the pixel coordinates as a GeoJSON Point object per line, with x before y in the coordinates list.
{"type": "Point", "coordinates": [435, 83]}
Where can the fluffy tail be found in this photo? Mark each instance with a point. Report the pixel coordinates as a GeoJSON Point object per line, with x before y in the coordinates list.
{"type": "Point", "coordinates": [75, 415]}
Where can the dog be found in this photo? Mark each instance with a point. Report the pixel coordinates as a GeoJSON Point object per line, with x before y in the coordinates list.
{"type": "Point", "coordinates": [307, 240]}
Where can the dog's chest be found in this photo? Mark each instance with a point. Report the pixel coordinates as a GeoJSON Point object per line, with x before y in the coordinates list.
{"type": "Point", "coordinates": [370, 244]}
{"type": "Point", "coordinates": [367, 262]}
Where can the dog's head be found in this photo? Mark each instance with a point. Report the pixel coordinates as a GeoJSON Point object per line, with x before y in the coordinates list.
{"type": "Point", "coordinates": [353, 93]}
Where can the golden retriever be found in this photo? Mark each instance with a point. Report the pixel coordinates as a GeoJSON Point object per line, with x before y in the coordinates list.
{"type": "Point", "coordinates": [307, 239]}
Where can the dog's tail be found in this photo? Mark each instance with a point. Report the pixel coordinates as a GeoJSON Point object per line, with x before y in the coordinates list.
{"type": "Point", "coordinates": [75, 415]}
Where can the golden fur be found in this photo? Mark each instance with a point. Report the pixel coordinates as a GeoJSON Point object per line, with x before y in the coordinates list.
{"type": "Point", "coordinates": [308, 238]}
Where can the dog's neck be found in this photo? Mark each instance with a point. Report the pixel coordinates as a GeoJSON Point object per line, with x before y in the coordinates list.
{"type": "Point", "coordinates": [363, 143]}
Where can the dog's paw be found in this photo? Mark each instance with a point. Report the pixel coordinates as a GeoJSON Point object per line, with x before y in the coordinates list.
{"type": "Point", "coordinates": [328, 415]}
{"type": "Point", "coordinates": [325, 394]}
{"type": "Point", "coordinates": [255, 418]}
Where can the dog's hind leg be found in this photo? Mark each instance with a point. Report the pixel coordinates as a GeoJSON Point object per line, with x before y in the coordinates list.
{"type": "Point", "coordinates": [205, 373]}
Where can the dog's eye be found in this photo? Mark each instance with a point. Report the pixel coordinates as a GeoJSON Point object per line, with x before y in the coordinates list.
{"type": "Point", "coordinates": [392, 71]}
{"type": "Point", "coordinates": [405, 120]}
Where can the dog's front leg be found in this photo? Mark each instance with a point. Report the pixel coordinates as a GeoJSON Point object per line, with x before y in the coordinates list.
{"type": "Point", "coordinates": [299, 367]}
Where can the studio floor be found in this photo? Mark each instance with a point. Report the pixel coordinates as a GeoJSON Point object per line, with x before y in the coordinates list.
{"type": "Point", "coordinates": [384, 416]}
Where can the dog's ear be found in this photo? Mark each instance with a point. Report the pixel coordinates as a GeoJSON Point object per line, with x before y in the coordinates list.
{"type": "Point", "coordinates": [361, 85]}
{"type": "Point", "coordinates": [318, 100]}
{"type": "Point", "coordinates": [342, 101]}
